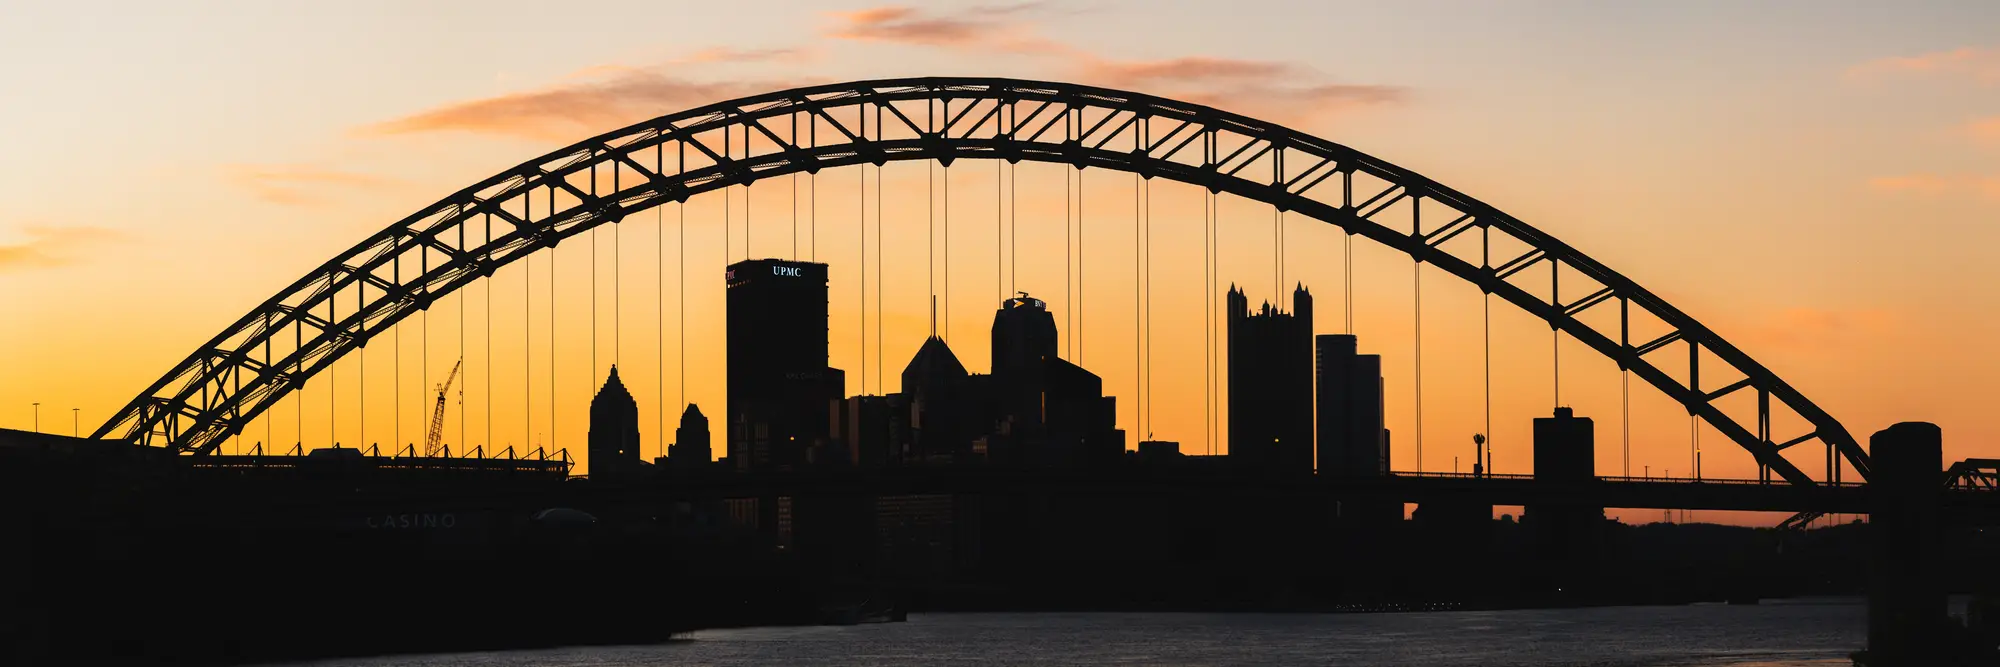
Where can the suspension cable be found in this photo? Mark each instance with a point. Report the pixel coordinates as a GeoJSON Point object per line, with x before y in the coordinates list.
{"type": "Point", "coordinates": [395, 388]}
{"type": "Point", "coordinates": [527, 350]}
{"type": "Point", "coordinates": [1207, 325]}
{"type": "Point", "coordinates": [591, 379]}
{"type": "Point", "coordinates": [1417, 292]}
{"type": "Point", "coordinates": [1138, 287]}
{"type": "Point", "coordinates": [424, 321]}
{"type": "Point", "coordinates": [1625, 411]}
{"type": "Point", "coordinates": [946, 225]}
{"type": "Point", "coordinates": [464, 426]}
{"type": "Point", "coordinates": [880, 260]}
{"type": "Point", "coordinates": [812, 184]}
{"type": "Point", "coordinates": [1486, 353]}
{"type": "Point", "coordinates": [930, 228]}
{"type": "Point", "coordinates": [1347, 250]}
{"type": "Point", "coordinates": [660, 307]}
{"type": "Point", "coordinates": [1150, 413]}
{"type": "Point", "coordinates": [299, 401]}
{"type": "Point", "coordinates": [1069, 296]}
{"type": "Point", "coordinates": [1013, 230]}
{"type": "Point", "coordinates": [617, 287]}
{"type": "Point", "coordinates": [999, 225]}
{"type": "Point", "coordinates": [488, 283]}
{"type": "Point", "coordinates": [270, 415]}
{"type": "Point", "coordinates": [794, 137]}
{"type": "Point", "coordinates": [861, 222]}
{"type": "Point", "coordinates": [553, 430]}
{"type": "Point", "coordinates": [680, 275]}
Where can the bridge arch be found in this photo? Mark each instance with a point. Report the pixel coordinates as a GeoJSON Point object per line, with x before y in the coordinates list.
{"type": "Point", "coordinates": [403, 268]}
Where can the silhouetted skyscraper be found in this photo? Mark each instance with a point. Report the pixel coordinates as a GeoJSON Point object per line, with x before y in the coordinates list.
{"type": "Point", "coordinates": [1271, 383]}
{"type": "Point", "coordinates": [691, 445]}
{"type": "Point", "coordinates": [614, 431]}
{"type": "Point", "coordinates": [1024, 333]}
{"type": "Point", "coordinates": [1565, 535]}
{"type": "Point", "coordinates": [1565, 447]}
{"type": "Point", "coordinates": [779, 402]}
{"type": "Point", "coordinates": [1351, 442]}
{"type": "Point", "coordinates": [936, 386]}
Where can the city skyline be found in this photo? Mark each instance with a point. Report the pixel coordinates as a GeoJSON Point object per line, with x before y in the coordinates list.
{"type": "Point", "coordinates": [1835, 351]}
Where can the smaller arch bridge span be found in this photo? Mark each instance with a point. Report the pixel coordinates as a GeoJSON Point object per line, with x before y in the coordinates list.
{"type": "Point", "coordinates": [407, 266]}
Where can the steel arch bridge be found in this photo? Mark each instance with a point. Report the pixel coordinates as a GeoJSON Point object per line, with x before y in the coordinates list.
{"type": "Point", "coordinates": [404, 268]}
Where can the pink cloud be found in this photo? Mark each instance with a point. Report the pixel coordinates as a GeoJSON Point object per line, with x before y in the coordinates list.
{"type": "Point", "coordinates": [297, 185]}
{"type": "Point", "coordinates": [1938, 185]}
{"type": "Point", "coordinates": [906, 25]}
{"type": "Point", "coordinates": [1979, 64]}
{"type": "Point", "coordinates": [1984, 130]}
{"type": "Point", "coordinates": [1277, 90]}
{"type": "Point", "coordinates": [609, 96]}
{"type": "Point", "coordinates": [725, 55]}
{"type": "Point", "coordinates": [51, 246]}
{"type": "Point", "coordinates": [571, 111]}
{"type": "Point", "coordinates": [1823, 327]}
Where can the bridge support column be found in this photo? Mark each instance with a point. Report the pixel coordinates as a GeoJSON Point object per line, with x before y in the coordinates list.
{"type": "Point", "coordinates": [1906, 604]}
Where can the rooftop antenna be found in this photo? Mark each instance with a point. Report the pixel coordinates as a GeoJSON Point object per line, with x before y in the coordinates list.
{"type": "Point", "coordinates": [933, 318]}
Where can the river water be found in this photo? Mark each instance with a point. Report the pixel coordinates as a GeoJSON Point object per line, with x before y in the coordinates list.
{"type": "Point", "coordinates": [1785, 632]}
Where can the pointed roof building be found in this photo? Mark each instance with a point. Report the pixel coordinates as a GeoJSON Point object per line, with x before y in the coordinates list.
{"type": "Point", "coordinates": [614, 430]}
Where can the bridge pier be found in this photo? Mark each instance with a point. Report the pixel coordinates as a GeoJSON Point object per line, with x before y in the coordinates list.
{"type": "Point", "coordinates": [1906, 603]}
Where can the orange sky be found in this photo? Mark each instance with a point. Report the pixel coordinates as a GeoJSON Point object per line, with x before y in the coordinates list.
{"type": "Point", "coordinates": [1818, 191]}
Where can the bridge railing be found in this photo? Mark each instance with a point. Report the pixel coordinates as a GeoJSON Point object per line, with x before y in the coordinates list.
{"type": "Point", "coordinates": [1616, 478]}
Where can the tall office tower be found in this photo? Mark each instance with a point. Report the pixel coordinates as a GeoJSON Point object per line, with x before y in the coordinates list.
{"type": "Point", "coordinates": [778, 382]}
{"type": "Point", "coordinates": [1271, 384]}
{"type": "Point", "coordinates": [691, 449]}
{"type": "Point", "coordinates": [614, 431]}
{"type": "Point", "coordinates": [1024, 333]}
{"type": "Point", "coordinates": [1565, 535]}
{"type": "Point", "coordinates": [1024, 340]}
{"type": "Point", "coordinates": [937, 390]}
{"type": "Point", "coordinates": [1565, 448]}
{"type": "Point", "coordinates": [1351, 440]}
{"type": "Point", "coordinates": [1043, 410]}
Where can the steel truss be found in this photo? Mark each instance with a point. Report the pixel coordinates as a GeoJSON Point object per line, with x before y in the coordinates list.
{"type": "Point", "coordinates": [406, 267]}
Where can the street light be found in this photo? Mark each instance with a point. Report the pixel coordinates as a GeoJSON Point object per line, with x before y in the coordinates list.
{"type": "Point", "coordinates": [1478, 451]}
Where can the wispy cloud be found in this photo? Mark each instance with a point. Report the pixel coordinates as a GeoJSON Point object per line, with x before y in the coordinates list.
{"type": "Point", "coordinates": [572, 110]}
{"type": "Point", "coordinates": [608, 96]}
{"type": "Point", "coordinates": [1279, 90]}
{"type": "Point", "coordinates": [298, 185]}
{"type": "Point", "coordinates": [975, 26]}
{"type": "Point", "coordinates": [51, 246]}
{"type": "Point", "coordinates": [1939, 185]}
{"type": "Point", "coordinates": [723, 55]}
{"type": "Point", "coordinates": [1984, 130]}
{"type": "Point", "coordinates": [1806, 327]}
{"type": "Point", "coordinates": [1979, 64]}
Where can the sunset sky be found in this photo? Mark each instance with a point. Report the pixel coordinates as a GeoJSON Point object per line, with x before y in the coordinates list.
{"type": "Point", "coordinates": [1819, 182]}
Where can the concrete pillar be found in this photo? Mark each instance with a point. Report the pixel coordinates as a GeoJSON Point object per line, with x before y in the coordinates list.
{"type": "Point", "coordinates": [1906, 603]}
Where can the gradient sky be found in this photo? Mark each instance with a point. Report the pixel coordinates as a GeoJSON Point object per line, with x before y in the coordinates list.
{"type": "Point", "coordinates": [1817, 181]}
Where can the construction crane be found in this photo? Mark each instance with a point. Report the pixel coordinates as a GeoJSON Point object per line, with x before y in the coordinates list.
{"type": "Point", "coordinates": [434, 440]}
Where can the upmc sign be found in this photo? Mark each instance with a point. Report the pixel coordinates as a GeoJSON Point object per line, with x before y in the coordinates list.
{"type": "Point", "coordinates": [776, 270]}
